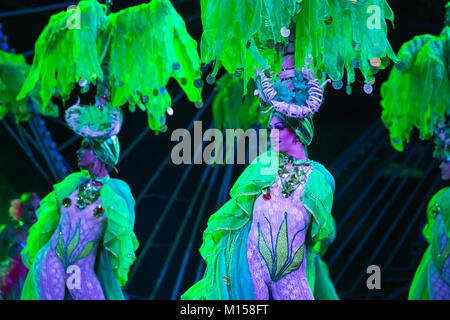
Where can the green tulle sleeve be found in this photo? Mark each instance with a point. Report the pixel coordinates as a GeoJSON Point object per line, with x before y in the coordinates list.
{"type": "Point", "coordinates": [419, 285]}
{"type": "Point", "coordinates": [119, 239]}
{"type": "Point", "coordinates": [318, 201]}
{"type": "Point", "coordinates": [417, 93]}
{"type": "Point", "coordinates": [438, 217]}
{"type": "Point", "coordinates": [69, 48]}
{"type": "Point", "coordinates": [323, 286]}
{"type": "Point", "coordinates": [149, 45]}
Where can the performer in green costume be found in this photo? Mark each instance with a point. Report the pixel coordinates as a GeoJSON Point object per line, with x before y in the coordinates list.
{"type": "Point", "coordinates": [417, 94]}
{"type": "Point", "coordinates": [266, 241]}
{"type": "Point", "coordinates": [83, 240]}
{"type": "Point", "coordinates": [432, 278]}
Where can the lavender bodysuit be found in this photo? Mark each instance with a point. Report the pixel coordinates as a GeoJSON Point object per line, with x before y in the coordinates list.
{"type": "Point", "coordinates": [439, 270]}
{"type": "Point", "coordinates": [275, 245]}
{"type": "Point", "coordinates": [74, 243]}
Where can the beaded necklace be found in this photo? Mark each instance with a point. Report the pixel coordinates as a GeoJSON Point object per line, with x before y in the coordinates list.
{"type": "Point", "coordinates": [291, 175]}
{"type": "Point", "coordinates": [88, 193]}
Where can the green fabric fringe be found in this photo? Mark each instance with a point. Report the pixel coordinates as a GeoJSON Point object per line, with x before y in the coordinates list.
{"type": "Point", "coordinates": [240, 35]}
{"type": "Point", "coordinates": [140, 44]}
{"type": "Point", "coordinates": [13, 72]}
{"type": "Point", "coordinates": [417, 94]}
{"type": "Point", "coordinates": [65, 55]}
{"type": "Point", "coordinates": [233, 110]}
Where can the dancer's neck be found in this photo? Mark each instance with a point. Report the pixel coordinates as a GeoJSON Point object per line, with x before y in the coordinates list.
{"type": "Point", "coordinates": [298, 152]}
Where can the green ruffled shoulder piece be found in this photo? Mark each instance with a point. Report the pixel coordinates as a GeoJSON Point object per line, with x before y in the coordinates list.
{"type": "Point", "coordinates": [133, 52]}
{"type": "Point", "coordinates": [438, 205]}
{"type": "Point", "coordinates": [119, 239]}
{"type": "Point", "coordinates": [233, 110]}
{"type": "Point", "coordinates": [69, 48]}
{"type": "Point", "coordinates": [13, 72]}
{"type": "Point", "coordinates": [48, 217]}
{"type": "Point", "coordinates": [317, 198]}
{"type": "Point", "coordinates": [149, 45]}
{"type": "Point", "coordinates": [338, 35]}
{"type": "Point", "coordinates": [417, 93]}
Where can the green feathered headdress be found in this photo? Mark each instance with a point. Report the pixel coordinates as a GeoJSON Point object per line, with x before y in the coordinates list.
{"type": "Point", "coordinates": [99, 125]}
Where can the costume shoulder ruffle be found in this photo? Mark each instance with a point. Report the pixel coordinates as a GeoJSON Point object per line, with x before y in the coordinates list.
{"type": "Point", "coordinates": [119, 239]}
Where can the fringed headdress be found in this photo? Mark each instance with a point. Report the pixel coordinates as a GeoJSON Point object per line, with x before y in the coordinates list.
{"type": "Point", "coordinates": [99, 124]}
{"type": "Point", "coordinates": [297, 93]}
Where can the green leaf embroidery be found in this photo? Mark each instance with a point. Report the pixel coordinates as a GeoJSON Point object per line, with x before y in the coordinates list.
{"type": "Point", "coordinates": [86, 250]}
{"type": "Point", "coordinates": [279, 260]}
{"type": "Point", "coordinates": [296, 261]}
{"type": "Point", "coordinates": [59, 250]}
{"type": "Point", "coordinates": [282, 246]}
{"type": "Point", "coordinates": [73, 242]}
{"type": "Point", "coordinates": [264, 250]}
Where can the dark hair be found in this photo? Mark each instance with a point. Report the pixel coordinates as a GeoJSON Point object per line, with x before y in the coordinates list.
{"type": "Point", "coordinates": [302, 127]}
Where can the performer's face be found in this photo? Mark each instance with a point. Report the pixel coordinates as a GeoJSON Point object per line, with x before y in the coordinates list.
{"type": "Point", "coordinates": [286, 139]}
{"type": "Point", "coordinates": [30, 211]}
{"type": "Point", "coordinates": [445, 170]}
{"type": "Point", "coordinates": [86, 156]}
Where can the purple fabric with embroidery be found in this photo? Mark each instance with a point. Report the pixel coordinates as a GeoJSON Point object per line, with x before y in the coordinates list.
{"type": "Point", "coordinates": [51, 266]}
{"type": "Point", "coordinates": [269, 215]}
